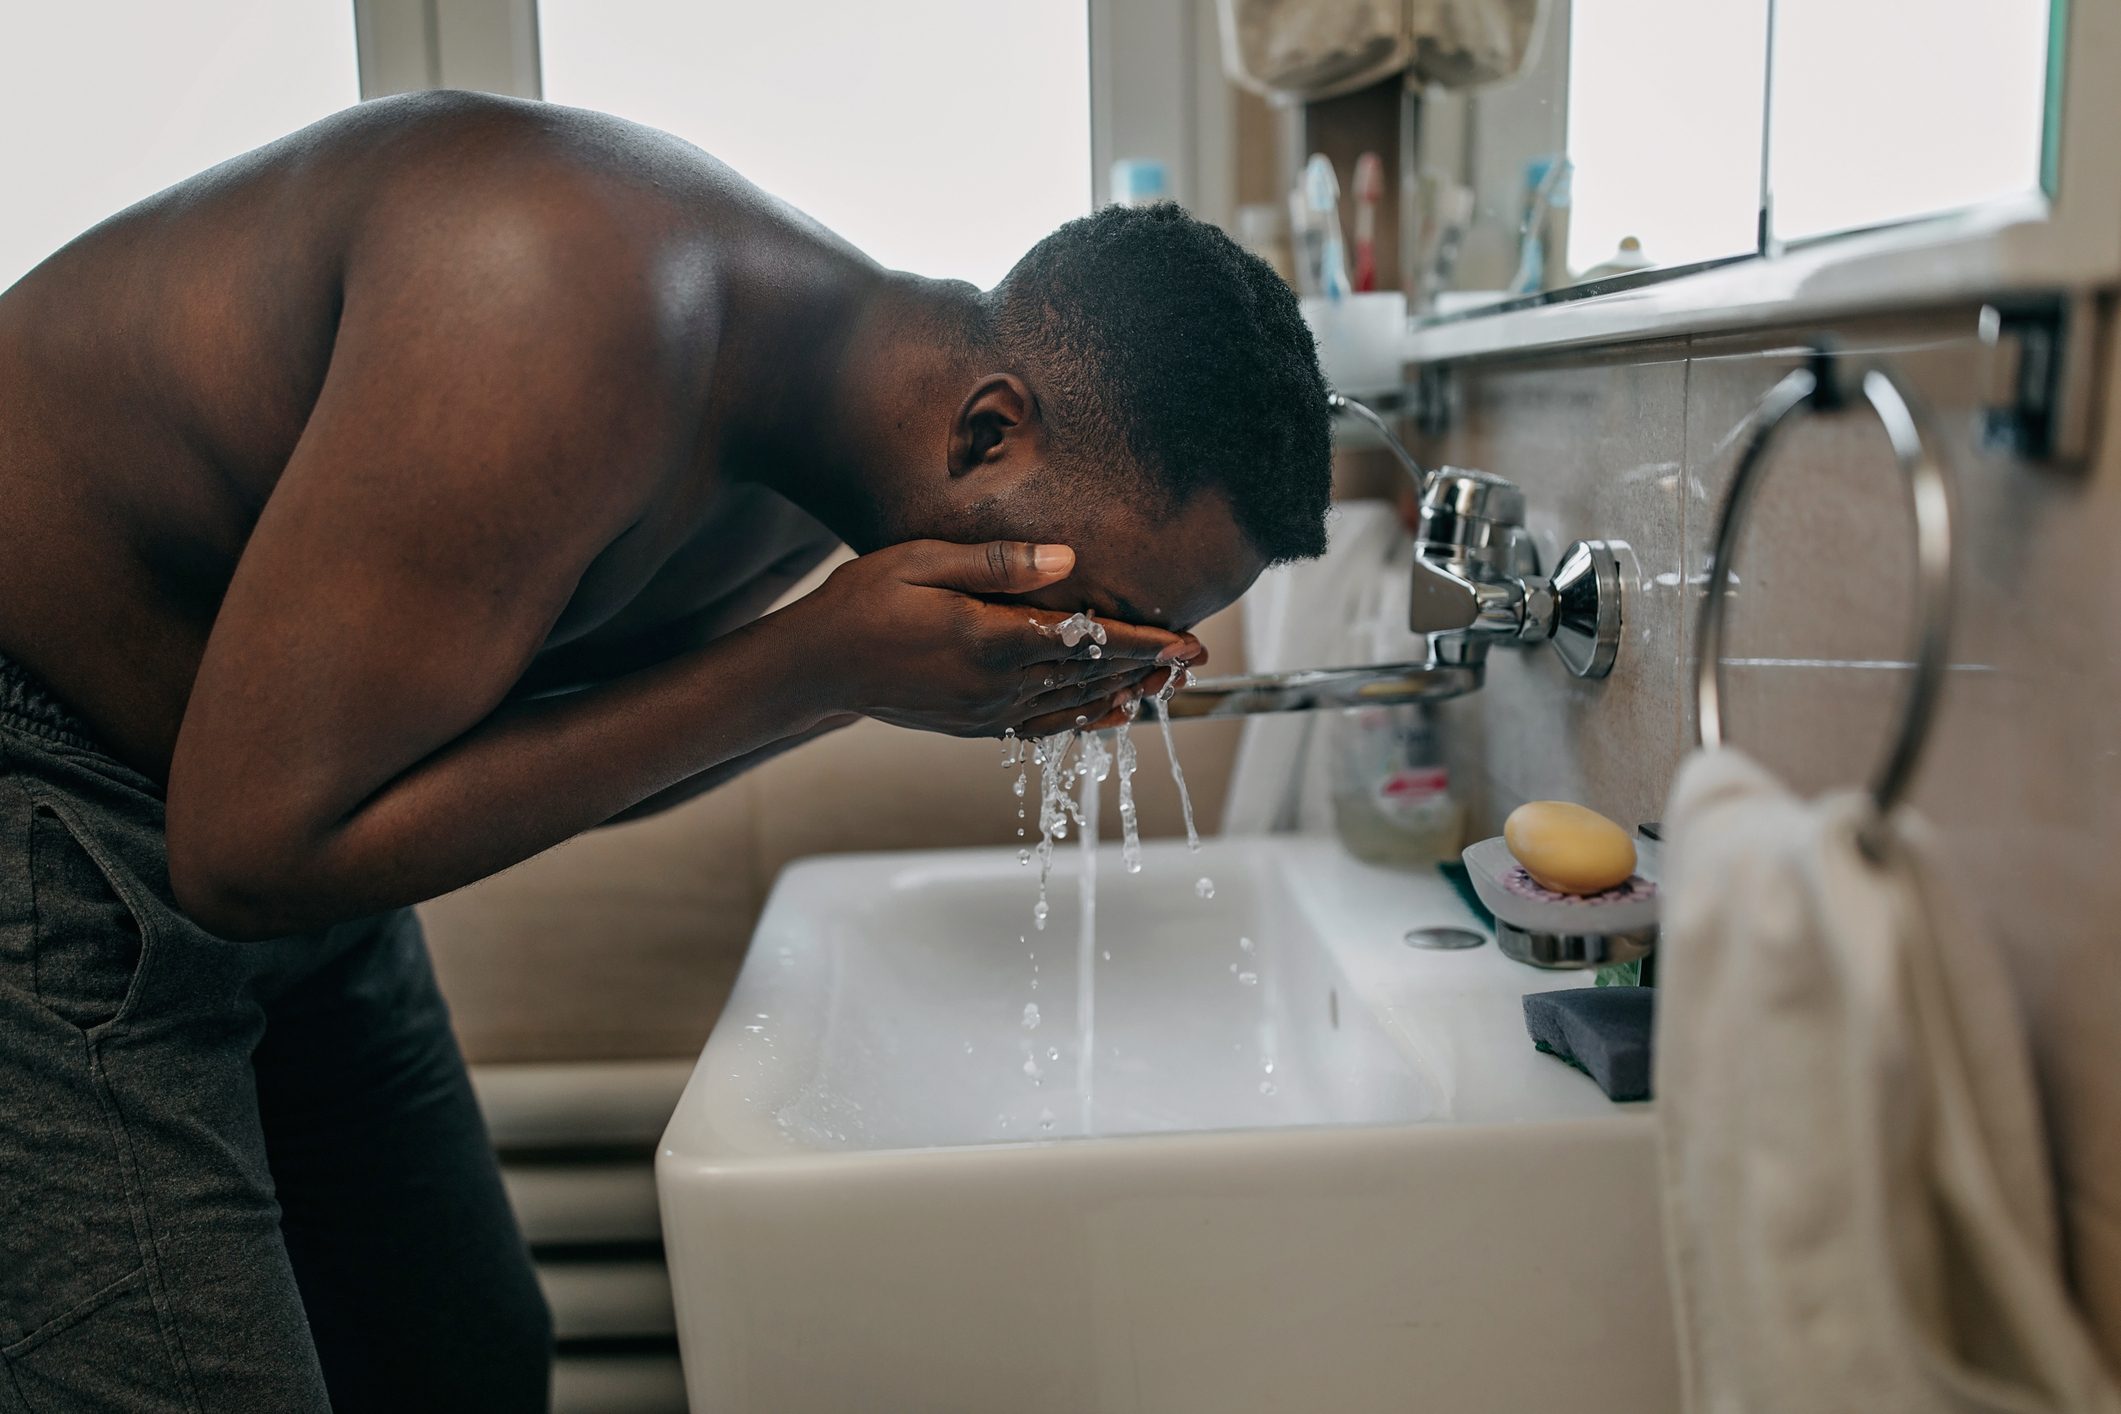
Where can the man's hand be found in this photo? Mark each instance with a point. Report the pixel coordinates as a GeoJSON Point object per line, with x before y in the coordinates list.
{"type": "Point", "coordinates": [915, 635]}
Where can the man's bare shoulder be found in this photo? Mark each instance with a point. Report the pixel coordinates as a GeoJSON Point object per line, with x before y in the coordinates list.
{"type": "Point", "coordinates": [570, 217]}
{"type": "Point", "coordinates": [419, 149]}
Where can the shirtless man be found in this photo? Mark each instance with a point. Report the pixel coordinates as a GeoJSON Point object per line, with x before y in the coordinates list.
{"type": "Point", "coordinates": [390, 504]}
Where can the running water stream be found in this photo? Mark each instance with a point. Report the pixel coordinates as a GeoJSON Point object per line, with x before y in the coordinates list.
{"type": "Point", "coordinates": [1072, 791]}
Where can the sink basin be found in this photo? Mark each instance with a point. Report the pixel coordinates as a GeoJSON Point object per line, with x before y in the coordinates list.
{"type": "Point", "coordinates": [1259, 1155]}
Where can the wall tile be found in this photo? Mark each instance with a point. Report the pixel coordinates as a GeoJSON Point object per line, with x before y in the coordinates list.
{"type": "Point", "coordinates": [1597, 446]}
{"type": "Point", "coordinates": [619, 944]}
{"type": "Point", "coordinates": [2022, 745]}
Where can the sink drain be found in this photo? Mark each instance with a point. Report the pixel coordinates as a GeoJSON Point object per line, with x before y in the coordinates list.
{"type": "Point", "coordinates": [1444, 939]}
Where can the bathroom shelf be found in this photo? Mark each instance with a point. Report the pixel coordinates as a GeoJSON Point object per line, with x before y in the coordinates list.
{"type": "Point", "coordinates": [1995, 252]}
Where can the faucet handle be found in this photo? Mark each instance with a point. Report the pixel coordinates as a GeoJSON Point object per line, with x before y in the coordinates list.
{"type": "Point", "coordinates": [1461, 493]}
{"type": "Point", "coordinates": [1584, 610]}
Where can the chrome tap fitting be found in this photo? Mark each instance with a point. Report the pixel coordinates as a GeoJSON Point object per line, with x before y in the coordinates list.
{"type": "Point", "coordinates": [1476, 583]}
{"type": "Point", "coordinates": [1477, 580]}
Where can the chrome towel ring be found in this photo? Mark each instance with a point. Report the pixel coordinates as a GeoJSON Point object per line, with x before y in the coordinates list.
{"type": "Point", "coordinates": [1818, 388]}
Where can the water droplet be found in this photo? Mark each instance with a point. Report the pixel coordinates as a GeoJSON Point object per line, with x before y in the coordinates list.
{"type": "Point", "coordinates": [1030, 1016]}
{"type": "Point", "coordinates": [1031, 1069]}
{"type": "Point", "coordinates": [1204, 886]}
{"type": "Point", "coordinates": [1045, 1119]}
{"type": "Point", "coordinates": [968, 1048]}
{"type": "Point", "coordinates": [1267, 1066]}
{"type": "Point", "coordinates": [1039, 913]}
{"type": "Point", "coordinates": [1266, 1087]}
{"type": "Point", "coordinates": [1023, 856]}
{"type": "Point", "coordinates": [1246, 944]}
{"type": "Point", "coordinates": [1249, 979]}
{"type": "Point", "coordinates": [1096, 652]}
{"type": "Point", "coordinates": [1019, 785]}
{"type": "Point", "coordinates": [1106, 954]}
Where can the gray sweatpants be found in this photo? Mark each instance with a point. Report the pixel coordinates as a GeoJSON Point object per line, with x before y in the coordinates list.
{"type": "Point", "coordinates": [233, 1176]}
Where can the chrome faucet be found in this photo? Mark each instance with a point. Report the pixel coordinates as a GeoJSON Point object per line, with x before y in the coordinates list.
{"type": "Point", "coordinates": [1477, 580]}
{"type": "Point", "coordinates": [1476, 583]}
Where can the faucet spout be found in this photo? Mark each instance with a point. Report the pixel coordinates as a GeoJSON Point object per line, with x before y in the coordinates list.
{"type": "Point", "coordinates": [1379, 685]}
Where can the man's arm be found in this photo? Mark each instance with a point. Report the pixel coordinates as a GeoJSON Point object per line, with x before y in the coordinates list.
{"type": "Point", "coordinates": [693, 788]}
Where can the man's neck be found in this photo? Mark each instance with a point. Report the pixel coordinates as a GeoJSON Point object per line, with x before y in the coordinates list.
{"type": "Point", "coordinates": [836, 388]}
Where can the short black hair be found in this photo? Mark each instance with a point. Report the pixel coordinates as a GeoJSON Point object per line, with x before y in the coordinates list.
{"type": "Point", "coordinates": [1149, 333]}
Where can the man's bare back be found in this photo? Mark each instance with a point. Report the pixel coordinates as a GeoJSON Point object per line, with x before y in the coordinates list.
{"type": "Point", "coordinates": [156, 379]}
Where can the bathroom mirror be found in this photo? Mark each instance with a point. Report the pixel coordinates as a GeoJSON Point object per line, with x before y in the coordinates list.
{"type": "Point", "coordinates": [1644, 137]}
{"type": "Point", "coordinates": [1630, 142]}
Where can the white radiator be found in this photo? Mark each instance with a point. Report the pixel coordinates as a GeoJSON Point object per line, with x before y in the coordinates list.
{"type": "Point", "coordinates": [577, 1146]}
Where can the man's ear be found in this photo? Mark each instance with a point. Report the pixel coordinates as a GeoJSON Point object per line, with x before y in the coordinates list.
{"type": "Point", "coordinates": [999, 415]}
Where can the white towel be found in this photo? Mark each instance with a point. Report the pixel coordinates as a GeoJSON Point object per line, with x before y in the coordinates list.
{"type": "Point", "coordinates": [1345, 609]}
{"type": "Point", "coordinates": [1859, 1209]}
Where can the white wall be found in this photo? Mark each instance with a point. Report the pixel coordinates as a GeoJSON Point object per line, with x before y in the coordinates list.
{"type": "Point", "coordinates": [941, 136]}
{"type": "Point", "coordinates": [108, 101]}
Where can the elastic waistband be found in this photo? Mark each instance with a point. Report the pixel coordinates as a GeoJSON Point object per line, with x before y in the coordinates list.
{"type": "Point", "coordinates": [27, 705]}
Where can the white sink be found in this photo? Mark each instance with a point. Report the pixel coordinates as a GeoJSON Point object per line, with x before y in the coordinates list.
{"type": "Point", "coordinates": [870, 1204]}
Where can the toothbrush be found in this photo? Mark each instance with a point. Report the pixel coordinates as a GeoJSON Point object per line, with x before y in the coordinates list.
{"type": "Point", "coordinates": [1369, 190]}
{"type": "Point", "coordinates": [1322, 203]}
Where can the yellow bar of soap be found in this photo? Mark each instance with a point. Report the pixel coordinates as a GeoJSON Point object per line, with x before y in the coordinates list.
{"type": "Point", "coordinates": [1567, 848]}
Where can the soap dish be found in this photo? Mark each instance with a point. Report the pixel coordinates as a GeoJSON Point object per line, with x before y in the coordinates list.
{"type": "Point", "coordinates": [1546, 929]}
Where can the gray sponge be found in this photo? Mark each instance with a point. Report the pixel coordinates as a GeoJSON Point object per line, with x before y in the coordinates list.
{"type": "Point", "coordinates": [1602, 1031]}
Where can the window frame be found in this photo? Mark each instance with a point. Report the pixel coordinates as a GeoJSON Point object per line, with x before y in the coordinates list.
{"type": "Point", "coordinates": [2063, 240]}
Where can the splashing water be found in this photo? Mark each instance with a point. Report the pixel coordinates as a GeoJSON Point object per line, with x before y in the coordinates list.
{"type": "Point", "coordinates": [1055, 778]}
{"type": "Point", "coordinates": [1074, 629]}
{"type": "Point", "coordinates": [1096, 763]}
{"type": "Point", "coordinates": [1072, 766]}
{"type": "Point", "coordinates": [1178, 677]}
{"type": "Point", "coordinates": [1130, 835]}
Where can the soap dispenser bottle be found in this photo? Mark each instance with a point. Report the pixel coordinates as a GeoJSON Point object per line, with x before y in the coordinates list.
{"type": "Point", "coordinates": [1392, 801]}
{"type": "Point", "coordinates": [1390, 786]}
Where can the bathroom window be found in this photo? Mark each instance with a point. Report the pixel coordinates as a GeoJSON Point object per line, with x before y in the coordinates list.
{"type": "Point", "coordinates": [1885, 111]}
{"type": "Point", "coordinates": [1704, 132]}
{"type": "Point", "coordinates": [111, 102]}
{"type": "Point", "coordinates": [940, 136]}
{"type": "Point", "coordinates": [1666, 99]}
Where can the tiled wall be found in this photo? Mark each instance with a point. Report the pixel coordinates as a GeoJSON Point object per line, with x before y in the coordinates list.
{"type": "Point", "coordinates": [2023, 774]}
